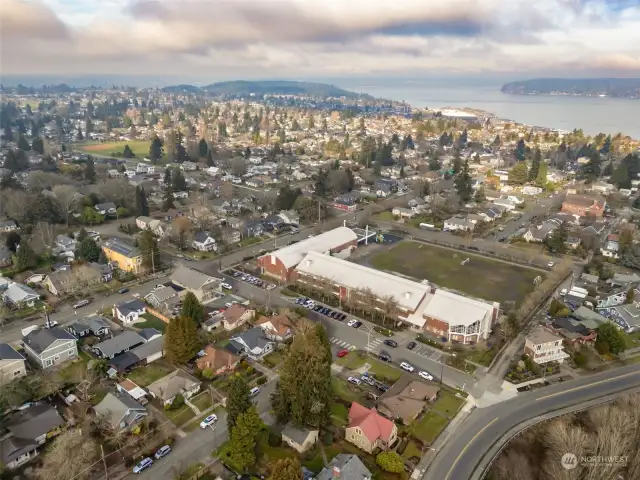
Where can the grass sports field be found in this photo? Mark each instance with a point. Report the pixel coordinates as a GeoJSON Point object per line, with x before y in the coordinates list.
{"type": "Point", "coordinates": [480, 277]}
{"type": "Point", "coordinates": [139, 147]}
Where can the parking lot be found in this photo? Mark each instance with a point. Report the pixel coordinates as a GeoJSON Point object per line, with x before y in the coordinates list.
{"type": "Point", "coordinates": [247, 278]}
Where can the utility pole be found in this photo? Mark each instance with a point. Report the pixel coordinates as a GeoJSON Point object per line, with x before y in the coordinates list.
{"type": "Point", "coordinates": [104, 462]}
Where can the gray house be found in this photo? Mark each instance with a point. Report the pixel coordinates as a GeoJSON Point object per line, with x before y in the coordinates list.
{"type": "Point", "coordinates": [253, 343]}
{"type": "Point", "coordinates": [345, 466]}
{"type": "Point", "coordinates": [49, 347]}
{"type": "Point", "coordinates": [121, 411]}
{"type": "Point", "coordinates": [95, 325]}
{"type": "Point", "coordinates": [117, 345]}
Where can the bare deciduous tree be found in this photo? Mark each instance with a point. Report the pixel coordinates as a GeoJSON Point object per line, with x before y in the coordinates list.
{"type": "Point", "coordinates": [513, 465]}
{"type": "Point", "coordinates": [70, 456]}
{"type": "Point", "coordinates": [67, 199]}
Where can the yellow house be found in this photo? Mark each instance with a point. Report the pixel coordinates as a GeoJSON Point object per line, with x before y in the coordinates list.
{"type": "Point", "coordinates": [368, 430]}
{"type": "Point", "coordinates": [127, 257]}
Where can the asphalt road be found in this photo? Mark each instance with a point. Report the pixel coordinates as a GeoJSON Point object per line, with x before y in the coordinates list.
{"type": "Point", "coordinates": [461, 455]}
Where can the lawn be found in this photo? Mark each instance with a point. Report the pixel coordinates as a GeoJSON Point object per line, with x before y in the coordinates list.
{"type": "Point", "coordinates": [412, 450]}
{"type": "Point", "coordinates": [145, 376]}
{"type": "Point", "coordinates": [481, 277]}
{"type": "Point", "coordinates": [381, 370]}
{"type": "Point", "coordinates": [202, 401]}
{"type": "Point", "coordinates": [140, 148]}
{"type": "Point", "coordinates": [447, 404]}
{"type": "Point", "coordinates": [428, 427]}
{"type": "Point", "coordinates": [151, 321]}
{"type": "Point", "coordinates": [343, 390]}
{"type": "Point", "coordinates": [180, 416]}
{"type": "Point", "coordinates": [316, 463]}
{"type": "Point", "coordinates": [339, 414]}
{"type": "Point", "coordinates": [274, 359]}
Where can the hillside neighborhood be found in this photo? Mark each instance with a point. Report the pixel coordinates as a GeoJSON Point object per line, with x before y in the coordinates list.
{"type": "Point", "coordinates": [287, 286]}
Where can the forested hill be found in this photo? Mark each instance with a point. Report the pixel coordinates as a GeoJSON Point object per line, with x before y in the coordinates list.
{"type": "Point", "coordinates": [243, 88]}
{"type": "Point", "coordinates": [587, 87]}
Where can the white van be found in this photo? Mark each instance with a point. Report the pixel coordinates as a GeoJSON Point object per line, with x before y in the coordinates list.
{"type": "Point", "coordinates": [254, 391]}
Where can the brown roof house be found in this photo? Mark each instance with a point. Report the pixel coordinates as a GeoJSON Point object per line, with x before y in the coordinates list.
{"type": "Point", "coordinates": [217, 359]}
{"type": "Point", "coordinates": [236, 316]}
{"type": "Point", "coordinates": [368, 430]}
{"type": "Point", "coordinates": [176, 383]}
{"type": "Point", "coordinates": [583, 205]}
{"type": "Point", "coordinates": [406, 399]}
{"type": "Point", "coordinates": [278, 327]}
{"type": "Point", "coordinates": [300, 439]}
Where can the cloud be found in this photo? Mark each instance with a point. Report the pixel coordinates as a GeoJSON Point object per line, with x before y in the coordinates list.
{"type": "Point", "coordinates": [302, 38]}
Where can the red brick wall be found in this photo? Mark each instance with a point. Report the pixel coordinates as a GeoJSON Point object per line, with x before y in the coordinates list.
{"type": "Point", "coordinates": [437, 327]}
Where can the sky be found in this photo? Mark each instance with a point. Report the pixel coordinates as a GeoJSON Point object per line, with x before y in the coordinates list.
{"type": "Point", "coordinates": [226, 39]}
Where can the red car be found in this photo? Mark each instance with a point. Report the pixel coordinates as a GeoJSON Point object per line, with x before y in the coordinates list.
{"type": "Point", "coordinates": [342, 353]}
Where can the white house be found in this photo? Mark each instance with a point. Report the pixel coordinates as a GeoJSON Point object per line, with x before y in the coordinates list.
{"type": "Point", "coordinates": [203, 242]}
{"type": "Point", "coordinates": [130, 311]}
{"type": "Point", "coordinates": [531, 190]}
{"type": "Point", "coordinates": [457, 223]}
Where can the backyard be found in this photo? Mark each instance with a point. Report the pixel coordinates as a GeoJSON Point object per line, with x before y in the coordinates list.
{"type": "Point", "coordinates": [151, 321]}
{"type": "Point", "coordinates": [480, 277]}
{"type": "Point", "coordinates": [145, 376]}
{"type": "Point", "coordinates": [140, 148]}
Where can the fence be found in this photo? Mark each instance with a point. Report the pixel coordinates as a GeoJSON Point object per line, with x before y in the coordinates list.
{"type": "Point", "coordinates": [156, 313]}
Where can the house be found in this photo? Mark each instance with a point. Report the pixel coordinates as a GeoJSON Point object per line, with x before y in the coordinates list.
{"type": "Point", "coordinates": [20, 296]}
{"type": "Point", "coordinates": [236, 316]}
{"type": "Point", "coordinates": [403, 212]}
{"type": "Point", "coordinates": [276, 327]}
{"type": "Point", "coordinates": [64, 282]}
{"type": "Point", "coordinates": [150, 351]}
{"type": "Point", "coordinates": [65, 243]}
{"type": "Point", "coordinates": [572, 242]}
{"type": "Point", "coordinates": [385, 187]}
{"type": "Point", "coordinates": [176, 383]}
{"type": "Point", "coordinates": [531, 190]}
{"type": "Point", "coordinates": [203, 242]}
{"type": "Point", "coordinates": [253, 228]}
{"type": "Point", "coordinates": [506, 203]}
{"type": "Point", "coordinates": [457, 223]}
{"type": "Point", "coordinates": [573, 331]}
{"type": "Point", "coordinates": [300, 439]}
{"type": "Point", "coordinates": [118, 344]}
{"type": "Point", "coordinates": [543, 346]}
{"type": "Point", "coordinates": [130, 311]}
{"type": "Point", "coordinates": [218, 360]}
{"type": "Point", "coordinates": [584, 206]}
{"type": "Point", "coordinates": [231, 236]}
{"type": "Point", "coordinates": [345, 466]}
{"type": "Point", "coordinates": [125, 256]}
{"type": "Point", "coordinates": [290, 217]}
{"type": "Point", "coordinates": [49, 347]}
{"type": "Point", "coordinates": [7, 226]}
{"type": "Point", "coordinates": [149, 334]}
{"type": "Point", "coordinates": [107, 208]}
{"type": "Point", "coordinates": [28, 429]}
{"type": "Point", "coordinates": [163, 298]}
{"type": "Point", "coordinates": [234, 222]}
{"type": "Point", "coordinates": [131, 389]}
{"type": "Point", "coordinates": [407, 399]}
{"type": "Point", "coordinates": [95, 325]}
{"type": "Point", "coordinates": [626, 317]}
{"type": "Point", "coordinates": [120, 410]}
{"type": "Point", "coordinates": [368, 430]}
{"type": "Point", "coordinates": [12, 364]}
{"type": "Point", "coordinates": [252, 343]}
{"type": "Point", "coordinates": [538, 234]}
{"type": "Point", "coordinates": [201, 285]}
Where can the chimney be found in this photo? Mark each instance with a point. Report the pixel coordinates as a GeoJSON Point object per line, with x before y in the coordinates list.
{"type": "Point", "coordinates": [336, 472]}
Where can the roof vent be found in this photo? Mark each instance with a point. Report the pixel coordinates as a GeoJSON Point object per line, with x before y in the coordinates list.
{"type": "Point", "coordinates": [407, 295]}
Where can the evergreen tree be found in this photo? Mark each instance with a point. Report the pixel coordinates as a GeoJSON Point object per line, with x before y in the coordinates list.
{"type": "Point", "coordinates": [156, 150]}
{"type": "Point", "coordinates": [285, 469]}
{"type": "Point", "coordinates": [463, 183]}
{"type": "Point", "coordinates": [167, 177]}
{"type": "Point", "coordinates": [142, 207]}
{"type": "Point", "coordinates": [519, 173]}
{"type": "Point", "coordinates": [479, 196]}
{"type": "Point", "coordinates": [25, 258]}
{"type": "Point", "coordinates": [8, 133]}
{"type": "Point", "coordinates": [79, 135]}
{"type": "Point", "coordinates": [23, 144]}
{"type": "Point", "coordinates": [148, 246]}
{"type": "Point", "coordinates": [497, 141]}
{"type": "Point", "coordinates": [238, 400]}
{"type": "Point", "coordinates": [520, 151]}
{"type": "Point", "coordinates": [203, 148]}
{"type": "Point", "coordinates": [535, 164]}
{"type": "Point", "coordinates": [606, 146]}
{"type": "Point", "coordinates": [180, 151]}
{"type": "Point", "coordinates": [90, 170]}
{"type": "Point", "coordinates": [244, 438]}
{"type": "Point", "coordinates": [192, 308]}
{"type": "Point", "coordinates": [620, 177]}
{"type": "Point", "coordinates": [294, 125]}
{"type": "Point", "coordinates": [169, 201]}
{"type": "Point", "coordinates": [457, 162]}
{"type": "Point", "coordinates": [88, 250]}
{"type": "Point", "coordinates": [37, 145]}
{"type": "Point", "coordinates": [434, 162]}
{"type": "Point", "coordinates": [181, 340]}
{"type": "Point", "coordinates": [541, 178]}
{"type": "Point", "coordinates": [178, 182]}
{"type": "Point", "coordinates": [127, 152]}
{"type": "Point", "coordinates": [210, 162]}
{"type": "Point", "coordinates": [462, 140]}
{"type": "Point", "coordinates": [592, 169]}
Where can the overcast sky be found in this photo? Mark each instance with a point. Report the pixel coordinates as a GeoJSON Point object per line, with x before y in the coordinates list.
{"type": "Point", "coordinates": [321, 38]}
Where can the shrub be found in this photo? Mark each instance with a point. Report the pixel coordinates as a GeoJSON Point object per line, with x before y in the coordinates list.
{"type": "Point", "coordinates": [262, 380]}
{"type": "Point", "coordinates": [275, 439]}
{"type": "Point", "coordinates": [327, 439]}
{"type": "Point", "coordinates": [178, 401]}
{"type": "Point", "coordinates": [390, 462]}
{"type": "Point", "coordinates": [579, 359]}
{"type": "Point", "coordinates": [208, 373]}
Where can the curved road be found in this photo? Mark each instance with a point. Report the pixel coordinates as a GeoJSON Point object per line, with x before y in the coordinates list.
{"type": "Point", "coordinates": [465, 454]}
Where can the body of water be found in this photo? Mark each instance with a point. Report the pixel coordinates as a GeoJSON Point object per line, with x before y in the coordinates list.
{"type": "Point", "coordinates": [592, 114]}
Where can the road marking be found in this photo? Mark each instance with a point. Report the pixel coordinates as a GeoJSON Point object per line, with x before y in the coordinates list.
{"type": "Point", "coordinates": [462, 452]}
{"type": "Point", "coordinates": [599, 382]}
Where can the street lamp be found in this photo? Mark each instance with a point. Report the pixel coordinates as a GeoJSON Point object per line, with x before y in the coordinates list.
{"type": "Point", "coordinates": [370, 329]}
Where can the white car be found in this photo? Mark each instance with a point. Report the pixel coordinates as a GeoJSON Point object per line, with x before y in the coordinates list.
{"type": "Point", "coordinates": [207, 422]}
{"type": "Point", "coordinates": [354, 380]}
{"type": "Point", "coordinates": [550, 264]}
{"type": "Point", "coordinates": [406, 366]}
{"type": "Point", "coordinates": [145, 463]}
{"type": "Point", "coordinates": [426, 375]}
{"type": "Point", "coordinates": [226, 286]}
{"type": "Point", "coordinates": [271, 286]}
{"type": "Point", "coordinates": [351, 322]}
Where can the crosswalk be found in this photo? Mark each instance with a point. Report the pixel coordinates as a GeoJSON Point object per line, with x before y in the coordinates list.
{"type": "Point", "coordinates": [374, 343]}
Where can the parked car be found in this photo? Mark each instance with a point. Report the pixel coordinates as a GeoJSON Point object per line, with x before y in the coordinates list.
{"type": "Point", "coordinates": [358, 324]}
{"type": "Point", "coordinates": [230, 304]}
{"type": "Point", "coordinates": [271, 286]}
{"type": "Point", "coordinates": [343, 353]}
{"type": "Point", "coordinates": [210, 420]}
{"type": "Point", "coordinates": [354, 380]}
{"type": "Point", "coordinates": [254, 391]}
{"type": "Point", "coordinates": [51, 324]}
{"type": "Point", "coordinates": [391, 343]}
{"type": "Point", "coordinates": [550, 264]}
{"type": "Point", "coordinates": [426, 375]}
{"type": "Point", "coordinates": [144, 464]}
{"type": "Point", "coordinates": [325, 311]}
{"type": "Point", "coordinates": [385, 357]}
{"type": "Point", "coordinates": [407, 366]}
{"type": "Point", "coordinates": [123, 290]}
{"type": "Point", "coordinates": [226, 286]}
{"type": "Point", "coordinates": [411, 345]}
{"type": "Point", "coordinates": [163, 452]}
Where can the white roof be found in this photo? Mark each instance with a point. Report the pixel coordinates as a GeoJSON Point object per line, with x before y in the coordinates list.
{"type": "Point", "coordinates": [407, 293]}
{"type": "Point", "coordinates": [292, 255]}
{"type": "Point", "coordinates": [456, 309]}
